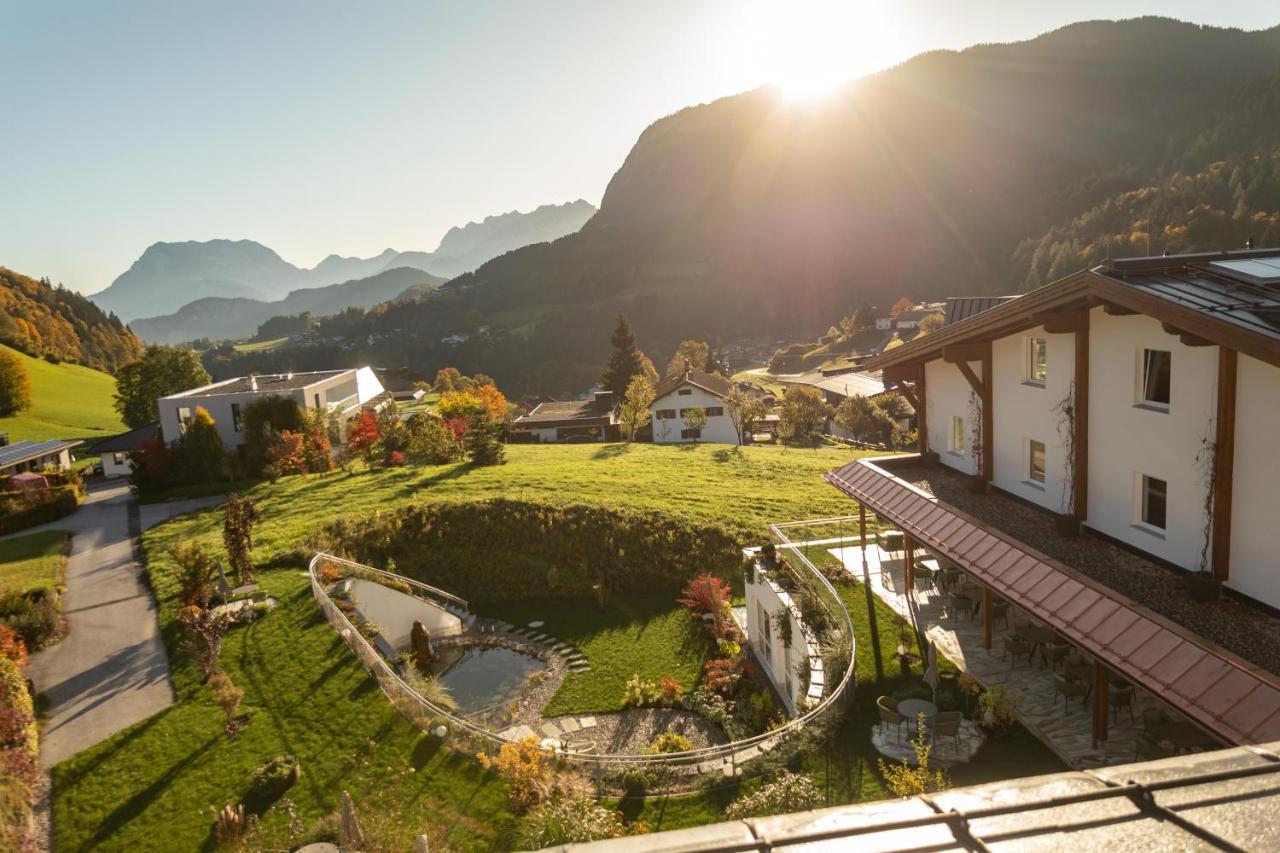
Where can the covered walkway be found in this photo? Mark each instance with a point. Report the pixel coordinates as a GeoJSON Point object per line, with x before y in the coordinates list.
{"type": "Point", "coordinates": [1006, 582]}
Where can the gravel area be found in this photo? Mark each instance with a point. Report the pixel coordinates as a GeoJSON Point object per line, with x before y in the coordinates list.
{"type": "Point", "coordinates": [629, 732]}
{"type": "Point", "coordinates": [1244, 629]}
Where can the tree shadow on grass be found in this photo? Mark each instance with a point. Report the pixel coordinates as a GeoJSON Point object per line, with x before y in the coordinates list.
{"type": "Point", "coordinates": [612, 451]}
{"type": "Point", "coordinates": [727, 454]}
{"type": "Point", "coordinates": [70, 779]}
{"type": "Point", "coordinates": [424, 750]}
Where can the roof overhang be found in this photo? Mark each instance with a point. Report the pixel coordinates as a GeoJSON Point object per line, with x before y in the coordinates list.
{"type": "Point", "coordinates": [1230, 697]}
{"type": "Point", "coordinates": [1054, 306]}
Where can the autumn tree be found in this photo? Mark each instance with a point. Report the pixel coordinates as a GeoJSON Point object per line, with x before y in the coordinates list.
{"type": "Point", "coordinates": [241, 514]}
{"type": "Point", "coordinates": [288, 455]}
{"type": "Point", "coordinates": [903, 304]}
{"type": "Point", "coordinates": [161, 371]}
{"type": "Point", "coordinates": [15, 387]}
{"type": "Point", "coordinates": [634, 411]}
{"type": "Point", "coordinates": [932, 323]}
{"type": "Point", "coordinates": [695, 420]}
{"type": "Point", "coordinates": [803, 411]}
{"type": "Point", "coordinates": [690, 355]}
{"type": "Point", "coordinates": [363, 436]}
{"type": "Point", "coordinates": [625, 360]}
{"type": "Point", "coordinates": [865, 420]}
{"type": "Point", "coordinates": [202, 452]}
{"type": "Point", "coordinates": [744, 409]}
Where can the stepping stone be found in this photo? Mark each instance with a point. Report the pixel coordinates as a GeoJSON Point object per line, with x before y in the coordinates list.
{"type": "Point", "coordinates": [569, 724]}
{"type": "Point", "coordinates": [562, 647]}
{"type": "Point", "coordinates": [517, 732]}
{"type": "Point", "coordinates": [587, 722]}
{"type": "Point", "coordinates": [537, 623]}
{"type": "Point", "coordinates": [549, 729]}
{"type": "Point", "coordinates": [579, 667]}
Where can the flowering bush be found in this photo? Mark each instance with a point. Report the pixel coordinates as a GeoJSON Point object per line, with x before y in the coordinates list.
{"type": "Point", "coordinates": [706, 594]}
{"type": "Point", "coordinates": [640, 693]}
{"type": "Point", "coordinates": [730, 649]}
{"type": "Point", "coordinates": [790, 792]}
{"type": "Point", "coordinates": [527, 768]}
{"type": "Point", "coordinates": [671, 690]}
{"type": "Point", "coordinates": [12, 646]}
{"type": "Point", "coordinates": [721, 675]}
{"type": "Point", "coordinates": [566, 821]}
{"type": "Point", "coordinates": [395, 458]}
{"type": "Point", "coordinates": [287, 454]}
{"type": "Point", "coordinates": [669, 742]}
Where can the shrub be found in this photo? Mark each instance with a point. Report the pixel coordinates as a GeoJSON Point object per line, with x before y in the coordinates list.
{"type": "Point", "coordinates": [790, 792]}
{"type": "Point", "coordinates": [193, 569]}
{"type": "Point", "coordinates": [12, 646]}
{"type": "Point", "coordinates": [21, 733]}
{"type": "Point", "coordinates": [35, 616]}
{"type": "Point", "coordinates": [640, 693]}
{"type": "Point", "coordinates": [721, 675]}
{"type": "Point", "coordinates": [484, 440]}
{"type": "Point", "coordinates": [430, 442]}
{"type": "Point", "coordinates": [904, 780]}
{"type": "Point", "coordinates": [430, 687]}
{"type": "Point", "coordinates": [287, 453]}
{"type": "Point", "coordinates": [237, 535]}
{"type": "Point", "coordinates": [226, 694]}
{"type": "Point", "coordinates": [527, 768]}
{"type": "Point", "coordinates": [228, 826]}
{"type": "Point", "coordinates": [206, 628]}
{"type": "Point", "coordinates": [277, 775]}
{"type": "Point", "coordinates": [20, 511]}
{"type": "Point", "coordinates": [668, 742]}
{"type": "Point", "coordinates": [566, 821]}
{"type": "Point", "coordinates": [671, 690]}
{"type": "Point", "coordinates": [706, 594]}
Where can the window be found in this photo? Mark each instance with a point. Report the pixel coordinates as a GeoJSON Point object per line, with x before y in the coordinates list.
{"type": "Point", "coordinates": [764, 631]}
{"type": "Point", "coordinates": [685, 392]}
{"type": "Point", "coordinates": [955, 443]}
{"type": "Point", "coordinates": [1156, 370]}
{"type": "Point", "coordinates": [237, 421]}
{"type": "Point", "coordinates": [184, 418]}
{"type": "Point", "coordinates": [1037, 360]}
{"type": "Point", "coordinates": [684, 413]}
{"type": "Point", "coordinates": [1155, 501]}
{"type": "Point", "coordinates": [317, 398]}
{"type": "Point", "coordinates": [691, 433]}
{"type": "Point", "coordinates": [665, 414]}
{"type": "Point", "coordinates": [118, 458]}
{"type": "Point", "coordinates": [1036, 459]}
{"type": "Point", "coordinates": [715, 411]}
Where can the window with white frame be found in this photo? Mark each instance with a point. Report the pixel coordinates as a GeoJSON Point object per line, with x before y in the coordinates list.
{"type": "Point", "coordinates": [1035, 461]}
{"type": "Point", "coordinates": [1157, 372]}
{"type": "Point", "coordinates": [184, 418]}
{"type": "Point", "coordinates": [763, 616]}
{"type": "Point", "coordinates": [1153, 509]}
{"type": "Point", "coordinates": [1037, 361]}
{"type": "Point", "coordinates": [955, 441]}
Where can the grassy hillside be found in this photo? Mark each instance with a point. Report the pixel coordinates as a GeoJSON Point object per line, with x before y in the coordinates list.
{"type": "Point", "coordinates": [151, 786]}
{"type": "Point", "coordinates": [68, 401]}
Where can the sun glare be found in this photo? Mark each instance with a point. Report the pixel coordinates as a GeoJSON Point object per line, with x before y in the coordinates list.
{"type": "Point", "coordinates": [808, 48]}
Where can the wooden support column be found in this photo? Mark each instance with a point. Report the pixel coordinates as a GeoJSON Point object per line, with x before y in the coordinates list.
{"type": "Point", "coordinates": [1101, 702]}
{"type": "Point", "coordinates": [909, 559]}
{"type": "Point", "coordinates": [1224, 457]}
{"type": "Point", "coordinates": [988, 419]}
{"type": "Point", "coordinates": [1080, 429]}
{"type": "Point", "coordinates": [986, 618]}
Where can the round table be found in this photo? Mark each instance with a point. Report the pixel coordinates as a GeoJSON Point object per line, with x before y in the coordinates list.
{"type": "Point", "coordinates": [913, 708]}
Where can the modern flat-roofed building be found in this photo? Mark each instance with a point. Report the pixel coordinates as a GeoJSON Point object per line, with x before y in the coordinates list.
{"type": "Point", "coordinates": [342, 391]}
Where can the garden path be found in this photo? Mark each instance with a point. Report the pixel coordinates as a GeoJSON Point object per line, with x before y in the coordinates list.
{"type": "Point", "coordinates": [111, 670]}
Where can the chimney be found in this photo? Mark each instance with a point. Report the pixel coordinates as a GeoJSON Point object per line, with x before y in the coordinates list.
{"type": "Point", "coordinates": [253, 382]}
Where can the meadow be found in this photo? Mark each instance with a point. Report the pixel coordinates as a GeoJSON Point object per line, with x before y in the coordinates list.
{"type": "Point", "coordinates": [68, 401]}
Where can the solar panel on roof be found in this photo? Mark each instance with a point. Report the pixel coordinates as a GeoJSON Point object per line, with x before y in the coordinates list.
{"type": "Point", "coordinates": [26, 449]}
{"type": "Point", "coordinates": [1259, 269]}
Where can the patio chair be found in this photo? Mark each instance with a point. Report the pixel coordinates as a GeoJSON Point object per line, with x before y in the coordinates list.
{"type": "Point", "coordinates": [950, 577]}
{"type": "Point", "coordinates": [1069, 689]}
{"type": "Point", "coordinates": [1000, 612]}
{"type": "Point", "coordinates": [889, 714]}
{"type": "Point", "coordinates": [958, 604]}
{"type": "Point", "coordinates": [1054, 655]}
{"type": "Point", "coordinates": [1121, 697]}
{"type": "Point", "coordinates": [947, 724]}
{"type": "Point", "coordinates": [1016, 647]}
{"type": "Point", "coordinates": [228, 593]}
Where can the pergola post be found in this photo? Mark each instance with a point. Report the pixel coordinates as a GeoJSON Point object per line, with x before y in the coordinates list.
{"type": "Point", "coordinates": [986, 618]}
{"type": "Point", "coordinates": [862, 535]}
{"type": "Point", "coordinates": [1101, 702]}
{"type": "Point", "coordinates": [909, 559]}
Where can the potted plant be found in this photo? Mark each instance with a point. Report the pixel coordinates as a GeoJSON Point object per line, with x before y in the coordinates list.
{"type": "Point", "coordinates": [995, 711]}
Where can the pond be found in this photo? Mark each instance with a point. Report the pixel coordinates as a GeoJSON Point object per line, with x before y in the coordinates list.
{"type": "Point", "coordinates": [479, 678]}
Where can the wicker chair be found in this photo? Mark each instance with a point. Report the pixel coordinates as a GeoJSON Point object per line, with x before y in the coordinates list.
{"type": "Point", "coordinates": [1054, 655]}
{"type": "Point", "coordinates": [889, 714]}
{"type": "Point", "coordinates": [1122, 697]}
{"type": "Point", "coordinates": [947, 724]}
{"type": "Point", "coordinates": [1068, 689]}
{"type": "Point", "coordinates": [1016, 647]}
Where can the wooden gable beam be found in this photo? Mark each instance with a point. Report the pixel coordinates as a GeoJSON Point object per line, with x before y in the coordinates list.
{"type": "Point", "coordinates": [902, 373]}
{"type": "Point", "coordinates": [1061, 322]}
{"type": "Point", "coordinates": [974, 382]}
{"type": "Point", "coordinates": [1187, 338]}
{"type": "Point", "coordinates": [1224, 456]}
{"type": "Point", "coordinates": [1117, 310]}
{"type": "Point", "coordinates": [960, 353]}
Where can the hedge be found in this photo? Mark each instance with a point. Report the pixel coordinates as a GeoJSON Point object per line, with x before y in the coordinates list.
{"type": "Point", "coordinates": [502, 550]}
{"type": "Point", "coordinates": [59, 502]}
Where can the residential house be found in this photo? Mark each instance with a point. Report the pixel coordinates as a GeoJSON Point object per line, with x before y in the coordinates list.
{"type": "Point", "coordinates": [343, 392]}
{"type": "Point", "coordinates": [592, 419]}
{"type": "Point", "coordinates": [676, 396]}
{"type": "Point", "coordinates": [115, 450]}
{"type": "Point", "coordinates": [1141, 397]}
{"type": "Point", "coordinates": [36, 456]}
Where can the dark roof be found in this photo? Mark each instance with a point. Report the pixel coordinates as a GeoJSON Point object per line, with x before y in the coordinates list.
{"type": "Point", "coordinates": [1210, 296]}
{"type": "Point", "coordinates": [267, 383]}
{"type": "Point", "coordinates": [597, 408]}
{"type": "Point", "coordinates": [916, 314]}
{"type": "Point", "coordinates": [394, 380]}
{"type": "Point", "coordinates": [23, 451]}
{"type": "Point", "coordinates": [963, 307]}
{"type": "Point", "coordinates": [129, 441]}
{"type": "Point", "coordinates": [1228, 696]}
{"type": "Point", "coordinates": [705, 381]}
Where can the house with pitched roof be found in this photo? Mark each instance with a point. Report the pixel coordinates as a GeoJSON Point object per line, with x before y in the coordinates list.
{"type": "Point", "coordinates": [674, 399]}
{"type": "Point", "coordinates": [592, 419]}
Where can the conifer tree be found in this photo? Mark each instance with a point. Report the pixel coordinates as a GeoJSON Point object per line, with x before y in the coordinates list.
{"type": "Point", "coordinates": [625, 360]}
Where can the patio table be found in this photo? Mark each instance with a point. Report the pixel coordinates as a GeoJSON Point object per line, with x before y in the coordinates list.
{"type": "Point", "coordinates": [1037, 635]}
{"type": "Point", "coordinates": [912, 708]}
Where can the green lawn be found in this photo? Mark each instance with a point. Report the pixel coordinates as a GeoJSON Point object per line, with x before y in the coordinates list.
{"type": "Point", "coordinates": [33, 561]}
{"type": "Point", "coordinates": [151, 787]}
{"type": "Point", "coordinates": [647, 635]}
{"type": "Point", "coordinates": [68, 401]}
{"type": "Point", "coordinates": [261, 346]}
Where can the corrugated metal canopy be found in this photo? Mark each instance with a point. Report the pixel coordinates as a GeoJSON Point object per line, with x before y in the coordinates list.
{"type": "Point", "coordinates": [1228, 696]}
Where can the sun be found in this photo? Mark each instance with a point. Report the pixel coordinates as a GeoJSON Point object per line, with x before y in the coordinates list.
{"type": "Point", "coordinates": [808, 48]}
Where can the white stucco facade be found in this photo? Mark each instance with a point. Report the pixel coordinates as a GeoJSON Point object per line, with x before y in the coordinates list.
{"type": "Point", "coordinates": [1255, 560]}
{"type": "Point", "coordinates": [778, 659]}
{"type": "Point", "coordinates": [116, 465]}
{"type": "Point", "coordinates": [668, 430]}
{"type": "Point", "coordinates": [949, 397]}
{"type": "Point", "coordinates": [342, 391]}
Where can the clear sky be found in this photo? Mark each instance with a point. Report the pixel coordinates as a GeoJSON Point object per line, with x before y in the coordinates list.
{"type": "Point", "coordinates": [316, 127]}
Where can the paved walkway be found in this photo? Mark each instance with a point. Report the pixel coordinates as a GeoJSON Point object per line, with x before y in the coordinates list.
{"type": "Point", "coordinates": [111, 671]}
